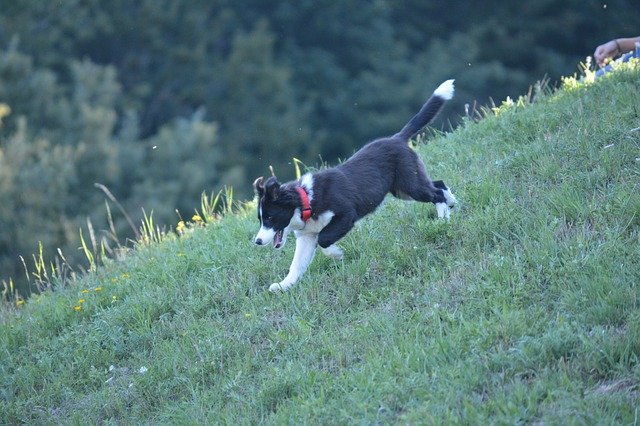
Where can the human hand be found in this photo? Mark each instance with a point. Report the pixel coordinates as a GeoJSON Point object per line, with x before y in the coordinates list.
{"type": "Point", "coordinates": [606, 51]}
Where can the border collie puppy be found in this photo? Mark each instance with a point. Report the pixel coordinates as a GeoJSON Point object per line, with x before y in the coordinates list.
{"type": "Point", "coordinates": [323, 206]}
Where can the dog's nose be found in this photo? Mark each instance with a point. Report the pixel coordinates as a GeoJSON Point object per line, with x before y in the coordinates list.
{"type": "Point", "coordinates": [259, 241]}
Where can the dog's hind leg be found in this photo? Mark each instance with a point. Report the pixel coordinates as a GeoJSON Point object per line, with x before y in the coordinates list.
{"type": "Point", "coordinates": [427, 193]}
{"type": "Point", "coordinates": [451, 199]}
{"type": "Point", "coordinates": [305, 249]}
{"type": "Point", "coordinates": [412, 180]}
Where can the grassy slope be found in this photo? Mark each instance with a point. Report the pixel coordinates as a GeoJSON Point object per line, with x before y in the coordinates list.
{"type": "Point", "coordinates": [524, 307]}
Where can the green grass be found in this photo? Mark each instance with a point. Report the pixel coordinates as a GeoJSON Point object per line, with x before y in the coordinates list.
{"type": "Point", "coordinates": [523, 308]}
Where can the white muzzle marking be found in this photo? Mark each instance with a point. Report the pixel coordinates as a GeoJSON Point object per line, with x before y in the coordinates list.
{"type": "Point", "coordinates": [265, 236]}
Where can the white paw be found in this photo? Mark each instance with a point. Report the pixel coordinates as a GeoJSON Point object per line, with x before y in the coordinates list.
{"type": "Point", "coordinates": [334, 252]}
{"type": "Point", "coordinates": [451, 199]}
{"type": "Point", "coordinates": [279, 287]}
{"type": "Point", "coordinates": [443, 211]}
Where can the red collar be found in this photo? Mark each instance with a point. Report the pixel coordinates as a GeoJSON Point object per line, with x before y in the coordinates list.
{"type": "Point", "coordinates": [306, 207]}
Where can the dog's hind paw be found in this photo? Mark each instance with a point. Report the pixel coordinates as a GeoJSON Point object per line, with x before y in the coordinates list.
{"type": "Point", "coordinates": [451, 199]}
{"type": "Point", "coordinates": [448, 195]}
{"type": "Point", "coordinates": [333, 251]}
{"type": "Point", "coordinates": [443, 211]}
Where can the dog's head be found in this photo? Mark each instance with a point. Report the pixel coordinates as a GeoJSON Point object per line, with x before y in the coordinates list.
{"type": "Point", "coordinates": [276, 211]}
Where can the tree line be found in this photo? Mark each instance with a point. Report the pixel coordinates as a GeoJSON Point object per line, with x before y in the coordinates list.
{"type": "Point", "coordinates": [161, 100]}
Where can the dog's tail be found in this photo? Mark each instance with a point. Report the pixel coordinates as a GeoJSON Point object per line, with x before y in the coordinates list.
{"type": "Point", "coordinates": [429, 110]}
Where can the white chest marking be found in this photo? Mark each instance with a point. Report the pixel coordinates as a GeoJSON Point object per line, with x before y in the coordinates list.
{"type": "Point", "coordinates": [314, 226]}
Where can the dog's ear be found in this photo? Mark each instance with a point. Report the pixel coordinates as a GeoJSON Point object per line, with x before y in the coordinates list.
{"type": "Point", "coordinates": [258, 186]}
{"type": "Point", "coordinates": [272, 187]}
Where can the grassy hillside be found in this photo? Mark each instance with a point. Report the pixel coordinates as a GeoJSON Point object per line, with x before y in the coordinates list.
{"type": "Point", "coordinates": [523, 308]}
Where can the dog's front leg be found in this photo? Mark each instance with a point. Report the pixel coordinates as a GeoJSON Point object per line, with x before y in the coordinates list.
{"type": "Point", "coordinates": [305, 249]}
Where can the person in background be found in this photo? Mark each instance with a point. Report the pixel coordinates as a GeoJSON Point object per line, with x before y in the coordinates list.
{"type": "Point", "coordinates": [627, 47]}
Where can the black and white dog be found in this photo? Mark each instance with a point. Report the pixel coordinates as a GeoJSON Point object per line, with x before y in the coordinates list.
{"type": "Point", "coordinates": [322, 207]}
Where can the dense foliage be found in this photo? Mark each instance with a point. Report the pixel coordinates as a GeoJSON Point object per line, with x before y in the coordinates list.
{"type": "Point", "coordinates": [161, 100]}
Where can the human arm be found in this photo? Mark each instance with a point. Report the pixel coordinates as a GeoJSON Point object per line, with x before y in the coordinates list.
{"type": "Point", "coordinates": [614, 47]}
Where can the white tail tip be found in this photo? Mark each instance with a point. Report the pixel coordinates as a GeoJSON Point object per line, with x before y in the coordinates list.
{"type": "Point", "coordinates": [445, 90]}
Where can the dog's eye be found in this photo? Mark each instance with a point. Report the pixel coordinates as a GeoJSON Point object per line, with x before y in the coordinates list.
{"type": "Point", "coordinates": [269, 218]}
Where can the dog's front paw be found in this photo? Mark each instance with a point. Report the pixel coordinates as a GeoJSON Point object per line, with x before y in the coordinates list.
{"type": "Point", "coordinates": [279, 287]}
{"type": "Point", "coordinates": [334, 252]}
{"type": "Point", "coordinates": [275, 288]}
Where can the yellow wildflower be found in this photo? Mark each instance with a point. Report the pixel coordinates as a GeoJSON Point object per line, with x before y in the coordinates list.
{"type": "Point", "coordinates": [81, 301]}
{"type": "Point", "coordinates": [125, 275]}
{"type": "Point", "coordinates": [180, 226]}
{"type": "Point", "coordinates": [85, 291]}
{"type": "Point", "coordinates": [247, 315]}
{"type": "Point", "coordinates": [77, 308]}
{"type": "Point", "coordinates": [97, 289]}
{"type": "Point", "coordinates": [196, 218]}
{"type": "Point", "coordinates": [19, 302]}
{"type": "Point", "coordinates": [4, 110]}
